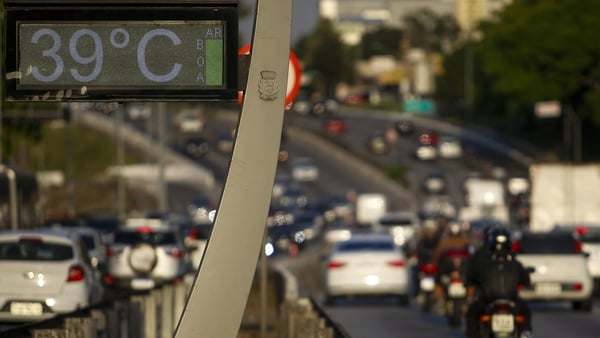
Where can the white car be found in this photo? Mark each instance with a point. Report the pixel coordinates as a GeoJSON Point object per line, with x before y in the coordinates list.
{"type": "Point", "coordinates": [450, 147]}
{"type": "Point", "coordinates": [45, 273]}
{"type": "Point", "coordinates": [145, 253]}
{"type": "Point", "coordinates": [560, 268]}
{"type": "Point", "coordinates": [367, 264]}
{"type": "Point", "coordinates": [304, 169]}
{"type": "Point", "coordinates": [401, 224]}
{"type": "Point", "coordinates": [425, 152]}
{"type": "Point", "coordinates": [590, 245]}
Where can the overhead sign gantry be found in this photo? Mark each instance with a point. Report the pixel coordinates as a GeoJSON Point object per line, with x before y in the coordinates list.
{"type": "Point", "coordinates": [114, 50]}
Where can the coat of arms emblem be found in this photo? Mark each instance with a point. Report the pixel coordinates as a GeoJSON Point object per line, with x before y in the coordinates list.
{"type": "Point", "coordinates": [268, 87]}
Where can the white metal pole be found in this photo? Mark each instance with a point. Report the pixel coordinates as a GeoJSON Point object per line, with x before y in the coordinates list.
{"type": "Point", "coordinates": [220, 291]}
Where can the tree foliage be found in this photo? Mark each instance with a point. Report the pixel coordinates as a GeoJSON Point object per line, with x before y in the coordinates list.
{"type": "Point", "coordinates": [381, 41]}
{"type": "Point", "coordinates": [540, 50]}
{"type": "Point", "coordinates": [324, 52]}
{"type": "Point", "coordinates": [429, 31]}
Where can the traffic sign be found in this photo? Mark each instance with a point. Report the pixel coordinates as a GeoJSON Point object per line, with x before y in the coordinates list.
{"type": "Point", "coordinates": [294, 76]}
{"type": "Point", "coordinates": [74, 51]}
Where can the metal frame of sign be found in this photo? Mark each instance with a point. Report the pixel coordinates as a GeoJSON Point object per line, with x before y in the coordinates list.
{"type": "Point", "coordinates": [67, 12]}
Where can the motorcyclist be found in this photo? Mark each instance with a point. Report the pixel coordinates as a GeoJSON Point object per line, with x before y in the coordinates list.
{"type": "Point", "coordinates": [455, 240]}
{"type": "Point", "coordinates": [494, 274]}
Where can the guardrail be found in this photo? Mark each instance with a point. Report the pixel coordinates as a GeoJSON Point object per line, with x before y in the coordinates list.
{"type": "Point", "coordinates": [154, 314]}
{"type": "Point", "coordinates": [304, 318]}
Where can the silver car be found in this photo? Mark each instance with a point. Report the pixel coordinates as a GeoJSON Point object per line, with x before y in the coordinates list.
{"type": "Point", "coordinates": [146, 253]}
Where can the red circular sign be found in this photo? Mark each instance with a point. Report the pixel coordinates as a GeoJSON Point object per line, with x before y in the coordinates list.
{"type": "Point", "coordinates": [294, 76]}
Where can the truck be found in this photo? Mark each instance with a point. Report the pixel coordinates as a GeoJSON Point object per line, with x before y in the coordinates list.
{"type": "Point", "coordinates": [369, 208]}
{"type": "Point", "coordinates": [564, 194]}
{"type": "Point", "coordinates": [484, 198]}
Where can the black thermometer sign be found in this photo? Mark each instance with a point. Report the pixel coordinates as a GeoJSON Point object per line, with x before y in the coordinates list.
{"type": "Point", "coordinates": [117, 54]}
{"type": "Point", "coordinates": [106, 56]}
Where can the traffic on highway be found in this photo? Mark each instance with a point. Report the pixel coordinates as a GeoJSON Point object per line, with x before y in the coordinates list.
{"type": "Point", "coordinates": [153, 196]}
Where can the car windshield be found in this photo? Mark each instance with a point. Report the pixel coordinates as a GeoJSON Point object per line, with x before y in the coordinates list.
{"type": "Point", "coordinates": [35, 251]}
{"type": "Point", "coordinates": [153, 238]}
{"type": "Point", "coordinates": [591, 236]}
{"type": "Point", "coordinates": [548, 244]}
{"type": "Point", "coordinates": [352, 246]}
{"type": "Point", "coordinates": [396, 222]}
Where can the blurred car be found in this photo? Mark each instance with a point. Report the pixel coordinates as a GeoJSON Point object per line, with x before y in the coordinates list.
{"type": "Point", "coordinates": [195, 147]}
{"type": "Point", "coordinates": [377, 143]}
{"type": "Point", "coordinates": [146, 253]}
{"type": "Point", "coordinates": [225, 142]}
{"type": "Point", "coordinates": [449, 147]}
{"type": "Point", "coordinates": [294, 197]}
{"type": "Point", "coordinates": [199, 209]}
{"type": "Point", "coordinates": [325, 107]}
{"type": "Point", "coordinates": [138, 111]}
{"type": "Point", "coordinates": [367, 264]}
{"type": "Point", "coordinates": [401, 224]}
{"type": "Point", "coordinates": [302, 106]}
{"type": "Point", "coordinates": [280, 185]}
{"type": "Point", "coordinates": [92, 239]}
{"type": "Point", "coordinates": [45, 273]}
{"type": "Point", "coordinates": [429, 138]}
{"type": "Point", "coordinates": [425, 152]}
{"type": "Point", "coordinates": [189, 122]}
{"type": "Point", "coordinates": [434, 182]}
{"type": "Point", "coordinates": [590, 245]}
{"type": "Point", "coordinates": [338, 230]}
{"type": "Point", "coordinates": [334, 124]}
{"type": "Point", "coordinates": [405, 127]}
{"type": "Point", "coordinates": [434, 206]}
{"type": "Point", "coordinates": [304, 169]}
{"type": "Point", "coordinates": [561, 272]}
{"type": "Point", "coordinates": [195, 239]}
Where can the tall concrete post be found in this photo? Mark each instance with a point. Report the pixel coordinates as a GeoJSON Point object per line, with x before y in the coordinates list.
{"type": "Point", "coordinates": [219, 294]}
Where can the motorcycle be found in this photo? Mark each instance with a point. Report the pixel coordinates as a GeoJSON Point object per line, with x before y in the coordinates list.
{"type": "Point", "coordinates": [427, 274]}
{"type": "Point", "coordinates": [455, 292]}
{"type": "Point", "coordinates": [455, 301]}
{"type": "Point", "coordinates": [501, 320]}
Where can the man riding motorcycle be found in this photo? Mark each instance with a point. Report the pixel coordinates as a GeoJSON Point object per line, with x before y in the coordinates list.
{"type": "Point", "coordinates": [494, 273]}
{"type": "Point", "coordinates": [447, 257]}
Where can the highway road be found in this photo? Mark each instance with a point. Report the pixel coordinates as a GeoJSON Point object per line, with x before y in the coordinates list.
{"type": "Point", "coordinates": [381, 318]}
{"type": "Point", "coordinates": [340, 173]}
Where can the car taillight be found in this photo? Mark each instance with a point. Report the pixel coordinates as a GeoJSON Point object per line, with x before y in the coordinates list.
{"type": "Point", "coordinates": [193, 234]}
{"type": "Point", "coordinates": [397, 263]}
{"type": "Point", "coordinates": [109, 279]}
{"type": "Point", "coordinates": [110, 252]}
{"type": "Point", "coordinates": [575, 286]}
{"type": "Point", "coordinates": [515, 247]}
{"type": "Point", "coordinates": [175, 253]}
{"type": "Point", "coordinates": [430, 269]}
{"type": "Point", "coordinates": [501, 308]}
{"type": "Point", "coordinates": [578, 246]}
{"type": "Point", "coordinates": [335, 265]}
{"type": "Point", "coordinates": [76, 273]}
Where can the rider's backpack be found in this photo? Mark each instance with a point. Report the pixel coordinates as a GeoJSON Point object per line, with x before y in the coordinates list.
{"type": "Point", "coordinates": [500, 278]}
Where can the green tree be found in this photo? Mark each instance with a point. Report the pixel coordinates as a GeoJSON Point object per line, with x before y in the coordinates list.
{"type": "Point", "coordinates": [425, 29]}
{"type": "Point", "coordinates": [324, 52]}
{"type": "Point", "coordinates": [544, 50]}
{"type": "Point", "coordinates": [381, 41]}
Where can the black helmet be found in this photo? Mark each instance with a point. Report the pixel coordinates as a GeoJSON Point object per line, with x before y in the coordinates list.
{"type": "Point", "coordinates": [499, 240]}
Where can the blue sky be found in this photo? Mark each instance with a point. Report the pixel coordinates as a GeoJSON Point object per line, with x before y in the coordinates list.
{"type": "Point", "coordinates": [305, 14]}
